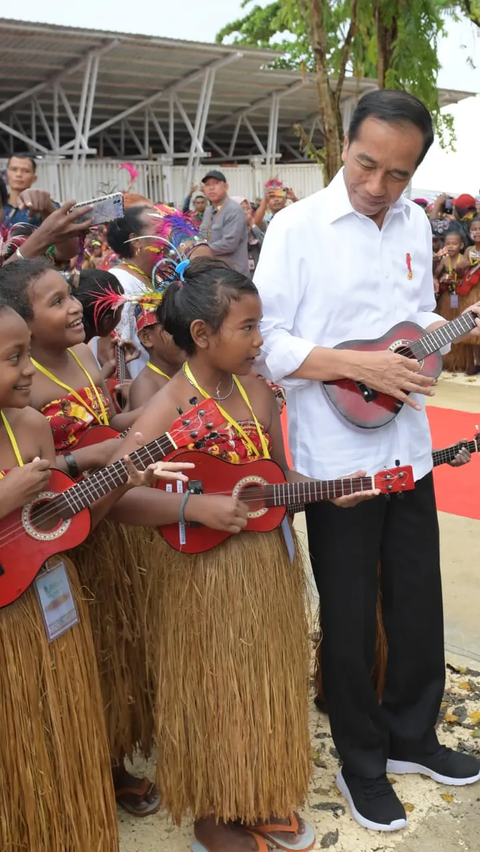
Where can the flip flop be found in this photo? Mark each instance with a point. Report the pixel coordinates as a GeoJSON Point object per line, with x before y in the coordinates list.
{"type": "Point", "coordinates": [145, 788]}
{"type": "Point", "coordinates": [306, 842]}
{"type": "Point", "coordinates": [261, 845]}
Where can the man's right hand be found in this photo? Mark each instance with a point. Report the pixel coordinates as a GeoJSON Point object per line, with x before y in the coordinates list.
{"type": "Point", "coordinates": [217, 512]}
{"type": "Point", "coordinates": [393, 374]}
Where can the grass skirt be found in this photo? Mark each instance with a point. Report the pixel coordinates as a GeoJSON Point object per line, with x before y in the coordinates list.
{"type": "Point", "coordinates": [56, 792]}
{"type": "Point", "coordinates": [112, 565]}
{"type": "Point", "coordinates": [232, 702]}
{"type": "Point", "coordinates": [465, 355]}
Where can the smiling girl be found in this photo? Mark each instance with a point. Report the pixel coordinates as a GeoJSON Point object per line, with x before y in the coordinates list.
{"type": "Point", "coordinates": [233, 661]}
{"type": "Point", "coordinates": [56, 792]}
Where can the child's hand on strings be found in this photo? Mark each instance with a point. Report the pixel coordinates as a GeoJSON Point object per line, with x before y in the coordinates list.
{"type": "Point", "coordinates": [170, 471]}
{"type": "Point", "coordinates": [23, 484]}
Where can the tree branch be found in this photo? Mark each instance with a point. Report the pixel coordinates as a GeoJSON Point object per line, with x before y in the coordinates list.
{"type": "Point", "coordinates": [345, 55]}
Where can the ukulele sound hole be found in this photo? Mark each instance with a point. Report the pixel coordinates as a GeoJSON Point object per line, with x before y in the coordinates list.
{"type": "Point", "coordinates": [403, 347]}
{"type": "Point", "coordinates": [40, 519]}
{"type": "Point", "coordinates": [250, 491]}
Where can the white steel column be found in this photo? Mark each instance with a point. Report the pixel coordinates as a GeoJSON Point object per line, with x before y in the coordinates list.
{"type": "Point", "coordinates": [81, 110]}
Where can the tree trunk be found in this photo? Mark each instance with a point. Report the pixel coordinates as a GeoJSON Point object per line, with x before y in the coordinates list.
{"type": "Point", "coordinates": [326, 96]}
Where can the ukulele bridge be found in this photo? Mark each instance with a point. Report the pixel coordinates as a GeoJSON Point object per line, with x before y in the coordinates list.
{"type": "Point", "coordinates": [30, 522]}
{"type": "Point", "coordinates": [244, 485]}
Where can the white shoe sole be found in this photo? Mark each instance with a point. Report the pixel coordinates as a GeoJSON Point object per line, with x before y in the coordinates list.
{"type": "Point", "coordinates": [396, 825]}
{"type": "Point", "coordinates": [404, 767]}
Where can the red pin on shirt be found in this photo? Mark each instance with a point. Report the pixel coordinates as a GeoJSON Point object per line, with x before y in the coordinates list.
{"type": "Point", "coordinates": [408, 259]}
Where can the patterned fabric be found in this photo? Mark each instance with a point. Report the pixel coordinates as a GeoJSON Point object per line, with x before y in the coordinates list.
{"type": "Point", "coordinates": [69, 421]}
{"type": "Point", "coordinates": [231, 447]}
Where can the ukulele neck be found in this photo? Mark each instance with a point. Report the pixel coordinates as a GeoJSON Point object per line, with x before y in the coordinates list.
{"type": "Point", "coordinates": [122, 372]}
{"type": "Point", "coordinates": [86, 492]}
{"type": "Point", "coordinates": [435, 340]}
{"type": "Point", "coordinates": [448, 453]}
{"type": "Point", "coordinates": [311, 491]}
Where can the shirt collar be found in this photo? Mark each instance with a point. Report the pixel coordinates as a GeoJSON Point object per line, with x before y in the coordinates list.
{"type": "Point", "coordinates": [340, 204]}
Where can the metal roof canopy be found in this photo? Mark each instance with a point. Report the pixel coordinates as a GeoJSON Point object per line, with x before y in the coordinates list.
{"type": "Point", "coordinates": [66, 91]}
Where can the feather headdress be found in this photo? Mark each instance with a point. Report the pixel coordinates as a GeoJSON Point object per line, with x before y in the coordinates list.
{"type": "Point", "coordinates": [172, 235]}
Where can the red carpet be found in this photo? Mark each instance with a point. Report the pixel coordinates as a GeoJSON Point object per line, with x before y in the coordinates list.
{"type": "Point", "coordinates": [457, 489]}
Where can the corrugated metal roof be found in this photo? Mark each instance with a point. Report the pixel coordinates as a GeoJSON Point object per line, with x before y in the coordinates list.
{"type": "Point", "coordinates": [134, 67]}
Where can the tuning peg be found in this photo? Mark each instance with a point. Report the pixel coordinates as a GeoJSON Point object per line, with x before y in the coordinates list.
{"type": "Point", "coordinates": [209, 425]}
{"type": "Point", "coordinates": [186, 422]}
{"type": "Point", "coordinates": [213, 435]}
{"type": "Point", "coordinates": [397, 462]}
{"type": "Point", "coordinates": [201, 412]}
{"type": "Point", "coordinates": [199, 445]}
{"type": "Point", "coordinates": [193, 400]}
{"type": "Point", "coordinates": [400, 495]}
{"type": "Point", "coordinates": [194, 434]}
{"type": "Point", "coordinates": [179, 410]}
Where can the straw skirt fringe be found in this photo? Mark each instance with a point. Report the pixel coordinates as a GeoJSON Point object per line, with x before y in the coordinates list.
{"type": "Point", "coordinates": [56, 792]}
{"type": "Point", "coordinates": [464, 355]}
{"type": "Point", "coordinates": [112, 565]}
{"type": "Point", "coordinates": [232, 731]}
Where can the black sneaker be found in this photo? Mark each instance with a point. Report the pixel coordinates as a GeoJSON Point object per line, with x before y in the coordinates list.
{"type": "Point", "coordinates": [373, 801]}
{"type": "Point", "coordinates": [445, 766]}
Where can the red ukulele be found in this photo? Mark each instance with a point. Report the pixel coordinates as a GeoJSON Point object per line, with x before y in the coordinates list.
{"type": "Point", "coordinates": [59, 519]}
{"type": "Point", "coordinates": [262, 485]}
{"type": "Point", "coordinates": [121, 375]}
{"type": "Point", "coordinates": [370, 409]}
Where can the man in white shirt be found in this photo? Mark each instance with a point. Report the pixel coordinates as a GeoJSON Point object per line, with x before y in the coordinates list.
{"type": "Point", "coordinates": [349, 262]}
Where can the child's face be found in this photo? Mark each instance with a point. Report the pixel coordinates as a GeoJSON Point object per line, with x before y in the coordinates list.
{"type": "Point", "coordinates": [236, 345]}
{"type": "Point", "coordinates": [475, 232]}
{"type": "Point", "coordinates": [16, 368]}
{"type": "Point", "coordinates": [453, 243]}
{"type": "Point", "coordinates": [57, 315]}
{"type": "Point", "coordinates": [159, 342]}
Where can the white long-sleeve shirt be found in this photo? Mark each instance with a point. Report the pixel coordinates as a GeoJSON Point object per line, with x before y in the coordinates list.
{"type": "Point", "coordinates": [327, 274]}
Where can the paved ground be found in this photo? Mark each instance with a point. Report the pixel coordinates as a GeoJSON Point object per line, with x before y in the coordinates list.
{"type": "Point", "coordinates": [441, 819]}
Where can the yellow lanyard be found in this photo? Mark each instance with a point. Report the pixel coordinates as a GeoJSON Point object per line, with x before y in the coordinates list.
{"type": "Point", "coordinates": [13, 442]}
{"type": "Point", "coordinates": [230, 420]}
{"type": "Point", "coordinates": [103, 418]}
{"type": "Point", "coordinates": [156, 370]}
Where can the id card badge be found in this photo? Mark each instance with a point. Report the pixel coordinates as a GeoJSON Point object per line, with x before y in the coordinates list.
{"type": "Point", "coordinates": [55, 598]}
{"type": "Point", "coordinates": [289, 541]}
{"type": "Point", "coordinates": [453, 300]}
{"type": "Point", "coordinates": [182, 533]}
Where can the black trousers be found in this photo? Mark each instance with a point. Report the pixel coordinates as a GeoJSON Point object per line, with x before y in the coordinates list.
{"type": "Point", "coordinates": [345, 548]}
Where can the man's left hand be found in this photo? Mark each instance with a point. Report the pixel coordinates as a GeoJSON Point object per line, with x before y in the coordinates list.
{"type": "Point", "coordinates": [475, 309]}
{"type": "Point", "coordinates": [289, 193]}
{"type": "Point", "coordinates": [36, 201]}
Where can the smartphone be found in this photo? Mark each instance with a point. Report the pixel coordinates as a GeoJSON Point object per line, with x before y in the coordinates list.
{"type": "Point", "coordinates": [280, 193]}
{"type": "Point", "coordinates": [106, 208]}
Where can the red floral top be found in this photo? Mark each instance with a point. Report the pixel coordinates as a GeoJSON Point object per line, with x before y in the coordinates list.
{"type": "Point", "coordinates": [69, 421]}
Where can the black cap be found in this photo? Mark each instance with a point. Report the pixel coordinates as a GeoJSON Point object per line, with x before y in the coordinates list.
{"type": "Point", "coordinates": [216, 174]}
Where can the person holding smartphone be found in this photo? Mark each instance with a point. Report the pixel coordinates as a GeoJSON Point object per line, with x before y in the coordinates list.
{"type": "Point", "coordinates": [275, 199]}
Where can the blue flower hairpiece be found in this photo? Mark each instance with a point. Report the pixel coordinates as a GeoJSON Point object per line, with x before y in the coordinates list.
{"type": "Point", "coordinates": [180, 268]}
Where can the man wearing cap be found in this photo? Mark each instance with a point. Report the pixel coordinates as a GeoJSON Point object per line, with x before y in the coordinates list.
{"type": "Point", "coordinates": [224, 225]}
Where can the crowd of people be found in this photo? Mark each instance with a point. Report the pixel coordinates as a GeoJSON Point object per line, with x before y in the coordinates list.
{"type": "Point", "coordinates": [168, 329]}
{"type": "Point", "coordinates": [455, 224]}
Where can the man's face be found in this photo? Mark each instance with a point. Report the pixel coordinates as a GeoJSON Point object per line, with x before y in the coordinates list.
{"type": "Point", "coordinates": [379, 164]}
{"type": "Point", "coordinates": [215, 190]}
{"type": "Point", "coordinates": [20, 174]}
